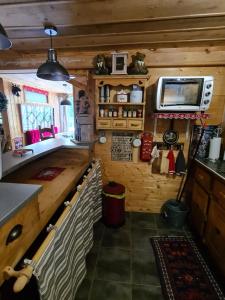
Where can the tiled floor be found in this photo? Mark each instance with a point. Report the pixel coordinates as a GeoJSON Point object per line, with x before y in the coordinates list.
{"type": "Point", "coordinates": [121, 265]}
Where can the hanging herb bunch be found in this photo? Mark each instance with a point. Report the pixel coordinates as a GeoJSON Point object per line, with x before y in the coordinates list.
{"type": "Point", "coordinates": [3, 102]}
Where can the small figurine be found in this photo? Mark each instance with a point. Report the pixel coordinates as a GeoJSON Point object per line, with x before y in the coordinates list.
{"type": "Point", "coordinates": [100, 65]}
{"type": "Point", "coordinates": [138, 65]}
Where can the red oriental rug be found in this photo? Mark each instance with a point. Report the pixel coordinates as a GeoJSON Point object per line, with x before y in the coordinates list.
{"type": "Point", "coordinates": [184, 273]}
{"type": "Point", "coordinates": [48, 174]}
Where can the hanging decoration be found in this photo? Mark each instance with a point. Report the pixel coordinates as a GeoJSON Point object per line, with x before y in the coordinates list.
{"type": "Point", "coordinates": [16, 90]}
{"type": "Point", "coordinates": [3, 102]}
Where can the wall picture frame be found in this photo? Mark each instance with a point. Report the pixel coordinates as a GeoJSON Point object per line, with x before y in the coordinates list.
{"type": "Point", "coordinates": [119, 63]}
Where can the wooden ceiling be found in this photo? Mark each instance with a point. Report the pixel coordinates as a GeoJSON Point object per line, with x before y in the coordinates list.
{"type": "Point", "coordinates": [114, 24]}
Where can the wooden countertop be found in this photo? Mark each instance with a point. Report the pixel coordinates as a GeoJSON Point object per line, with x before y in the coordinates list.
{"type": "Point", "coordinates": [75, 161]}
{"type": "Point", "coordinates": [11, 163]}
{"type": "Point", "coordinates": [217, 168]}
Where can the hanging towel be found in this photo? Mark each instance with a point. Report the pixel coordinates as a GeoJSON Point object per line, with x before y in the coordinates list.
{"type": "Point", "coordinates": [171, 159]}
{"type": "Point", "coordinates": [62, 266]}
{"type": "Point", "coordinates": [164, 167]}
{"type": "Point", "coordinates": [154, 154]}
{"type": "Point", "coordinates": [180, 163]}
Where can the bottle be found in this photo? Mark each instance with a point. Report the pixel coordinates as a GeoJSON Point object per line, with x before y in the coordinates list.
{"type": "Point", "coordinates": [107, 92]}
{"type": "Point", "coordinates": [129, 114]}
{"type": "Point", "coordinates": [106, 112]}
{"type": "Point", "coordinates": [139, 113]}
{"type": "Point", "coordinates": [134, 115]}
{"type": "Point", "coordinates": [102, 94]}
{"type": "Point", "coordinates": [120, 112]}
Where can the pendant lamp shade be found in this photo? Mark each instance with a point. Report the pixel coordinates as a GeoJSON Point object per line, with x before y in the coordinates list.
{"type": "Point", "coordinates": [5, 43]}
{"type": "Point", "coordinates": [65, 102]}
{"type": "Point", "coordinates": [52, 69]}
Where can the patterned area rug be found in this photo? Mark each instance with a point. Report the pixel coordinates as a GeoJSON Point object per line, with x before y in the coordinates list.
{"type": "Point", "coordinates": [48, 174]}
{"type": "Point", "coordinates": [183, 272]}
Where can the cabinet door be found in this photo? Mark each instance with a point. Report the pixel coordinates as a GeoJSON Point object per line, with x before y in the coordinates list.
{"type": "Point", "coordinates": [215, 234]}
{"type": "Point", "coordinates": [219, 192]}
{"type": "Point", "coordinates": [203, 178]}
{"type": "Point", "coordinates": [199, 207]}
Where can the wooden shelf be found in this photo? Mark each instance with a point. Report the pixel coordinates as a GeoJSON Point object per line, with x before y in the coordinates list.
{"type": "Point", "coordinates": [116, 83]}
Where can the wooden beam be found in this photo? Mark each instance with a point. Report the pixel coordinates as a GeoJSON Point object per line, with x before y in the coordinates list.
{"type": "Point", "coordinates": [216, 22]}
{"type": "Point", "coordinates": [35, 13]}
{"type": "Point", "coordinates": [75, 60]}
{"type": "Point", "coordinates": [114, 40]}
{"type": "Point", "coordinates": [78, 84]}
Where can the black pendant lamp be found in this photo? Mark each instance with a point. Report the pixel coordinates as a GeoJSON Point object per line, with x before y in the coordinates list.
{"type": "Point", "coordinates": [5, 43]}
{"type": "Point", "coordinates": [65, 102]}
{"type": "Point", "coordinates": [51, 69]}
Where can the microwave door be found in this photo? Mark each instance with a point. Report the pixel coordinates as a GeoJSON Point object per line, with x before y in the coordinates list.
{"type": "Point", "coordinates": [181, 93]}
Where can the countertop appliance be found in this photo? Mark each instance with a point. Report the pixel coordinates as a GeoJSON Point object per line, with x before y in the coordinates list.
{"type": "Point", "coordinates": [184, 93]}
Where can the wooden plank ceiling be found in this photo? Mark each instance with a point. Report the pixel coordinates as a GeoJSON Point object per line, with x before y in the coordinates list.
{"type": "Point", "coordinates": [104, 24]}
{"type": "Point", "coordinates": [87, 27]}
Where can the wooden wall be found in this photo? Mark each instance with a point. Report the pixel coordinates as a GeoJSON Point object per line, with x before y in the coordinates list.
{"type": "Point", "coordinates": [13, 112]}
{"type": "Point", "coordinates": [146, 191]}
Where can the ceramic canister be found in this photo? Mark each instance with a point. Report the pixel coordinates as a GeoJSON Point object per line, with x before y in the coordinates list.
{"type": "Point", "coordinates": [136, 96]}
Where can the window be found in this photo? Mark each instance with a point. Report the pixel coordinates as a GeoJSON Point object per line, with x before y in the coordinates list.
{"type": "Point", "coordinates": [33, 95]}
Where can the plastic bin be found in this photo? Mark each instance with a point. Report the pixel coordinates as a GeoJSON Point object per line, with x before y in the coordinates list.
{"type": "Point", "coordinates": [113, 204]}
{"type": "Point", "coordinates": [175, 213]}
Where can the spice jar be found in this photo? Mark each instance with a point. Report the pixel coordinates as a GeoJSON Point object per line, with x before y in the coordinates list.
{"type": "Point", "coordinates": [110, 113]}
{"type": "Point", "coordinates": [101, 112]}
{"type": "Point", "coordinates": [139, 113]}
{"type": "Point", "coordinates": [129, 114]}
{"type": "Point", "coordinates": [134, 114]}
{"type": "Point", "coordinates": [106, 112]}
{"type": "Point", "coordinates": [125, 113]}
{"type": "Point", "coordinates": [115, 114]}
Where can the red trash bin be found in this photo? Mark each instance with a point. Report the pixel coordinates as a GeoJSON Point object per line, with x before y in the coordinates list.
{"type": "Point", "coordinates": [113, 204]}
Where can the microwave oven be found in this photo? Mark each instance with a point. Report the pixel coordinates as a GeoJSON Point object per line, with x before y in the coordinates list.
{"type": "Point", "coordinates": [184, 93]}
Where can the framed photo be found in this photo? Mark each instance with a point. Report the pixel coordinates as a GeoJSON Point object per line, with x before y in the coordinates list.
{"type": "Point", "coordinates": [119, 63]}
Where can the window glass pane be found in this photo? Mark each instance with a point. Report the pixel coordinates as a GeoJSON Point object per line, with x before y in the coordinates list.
{"type": "Point", "coordinates": [33, 97]}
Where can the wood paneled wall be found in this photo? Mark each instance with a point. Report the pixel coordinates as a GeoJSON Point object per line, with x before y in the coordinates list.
{"type": "Point", "coordinates": [146, 191]}
{"type": "Point", "coordinates": [13, 111]}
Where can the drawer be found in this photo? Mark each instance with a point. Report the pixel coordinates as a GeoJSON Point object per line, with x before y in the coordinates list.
{"type": "Point", "coordinates": [218, 191]}
{"type": "Point", "coordinates": [200, 198]}
{"type": "Point", "coordinates": [28, 218]}
{"type": "Point", "coordinates": [203, 178]}
{"type": "Point", "coordinates": [119, 124]}
{"type": "Point", "coordinates": [135, 124]}
{"type": "Point", "coordinates": [104, 123]}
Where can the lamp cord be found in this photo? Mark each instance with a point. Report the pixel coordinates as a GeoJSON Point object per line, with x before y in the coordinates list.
{"type": "Point", "coordinates": [51, 37]}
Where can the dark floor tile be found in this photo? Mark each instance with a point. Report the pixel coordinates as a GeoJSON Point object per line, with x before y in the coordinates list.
{"type": "Point", "coordinates": [84, 289]}
{"type": "Point", "coordinates": [91, 261]}
{"type": "Point", "coordinates": [114, 264]}
{"type": "Point", "coordinates": [140, 238]}
{"type": "Point", "coordinates": [144, 269]}
{"type": "Point", "coordinates": [146, 292]}
{"type": "Point", "coordinates": [99, 228]}
{"type": "Point", "coordinates": [127, 224]}
{"type": "Point", "coordinates": [117, 238]}
{"type": "Point", "coordinates": [143, 220]}
{"type": "Point", "coordinates": [164, 224]}
{"type": "Point", "coordinates": [103, 290]}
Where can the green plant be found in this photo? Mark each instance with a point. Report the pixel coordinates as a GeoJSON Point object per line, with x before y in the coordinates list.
{"type": "Point", "coordinates": [3, 102]}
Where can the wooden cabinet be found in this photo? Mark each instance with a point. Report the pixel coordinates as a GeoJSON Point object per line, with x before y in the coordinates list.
{"type": "Point", "coordinates": [115, 115]}
{"type": "Point", "coordinates": [199, 206]}
{"type": "Point", "coordinates": [208, 213]}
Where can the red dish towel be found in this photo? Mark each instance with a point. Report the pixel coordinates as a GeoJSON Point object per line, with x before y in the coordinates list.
{"type": "Point", "coordinates": [171, 158]}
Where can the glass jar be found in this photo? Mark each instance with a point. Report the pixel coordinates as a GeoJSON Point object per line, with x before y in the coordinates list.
{"type": "Point", "coordinates": [125, 113]}
{"type": "Point", "coordinates": [101, 112]}
{"type": "Point", "coordinates": [139, 113]}
{"type": "Point", "coordinates": [115, 114]}
{"type": "Point", "coordinates": [134, 114]}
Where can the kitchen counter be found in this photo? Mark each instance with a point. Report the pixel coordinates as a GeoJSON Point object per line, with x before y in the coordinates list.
{"type": "Point", "coordinates": [11, 163]}
{"type": "Point", "coordinates": [217, 168]}
{"type": "Point", "coordinates": [13, 197]}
